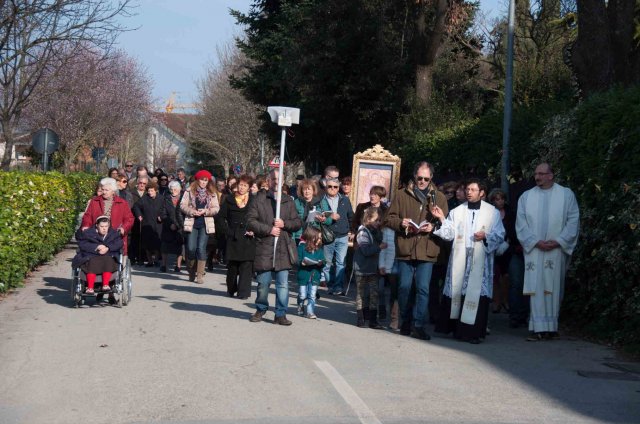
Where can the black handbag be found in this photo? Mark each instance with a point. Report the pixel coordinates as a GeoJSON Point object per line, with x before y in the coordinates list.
{"type": "Point", "coordinates": [328, 236]}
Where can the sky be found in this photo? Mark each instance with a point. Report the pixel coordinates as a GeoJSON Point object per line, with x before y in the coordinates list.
{"type": "Point", "coordinates": [176, 40]}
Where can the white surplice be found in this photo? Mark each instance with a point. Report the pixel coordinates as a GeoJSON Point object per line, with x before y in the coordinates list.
{"type": "Point", "coordinates": [546, 214]}
{"type": "Point", "coordinates": [470, 269]}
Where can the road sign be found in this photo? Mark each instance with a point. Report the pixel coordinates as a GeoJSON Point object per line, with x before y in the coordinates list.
{"type": "Point", "coordinates": [98, 154]}
{"type": "Point", "coordinates": [275, 163]}
{"type": "Point", "coordinates": [45, 140]}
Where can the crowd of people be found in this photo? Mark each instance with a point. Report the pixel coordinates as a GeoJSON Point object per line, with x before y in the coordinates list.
{"type": "Point", "coordinates": [447, 254]}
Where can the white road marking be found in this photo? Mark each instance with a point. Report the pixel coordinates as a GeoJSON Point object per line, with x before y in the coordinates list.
{"type": "Point", "coordinates": [365, 415]}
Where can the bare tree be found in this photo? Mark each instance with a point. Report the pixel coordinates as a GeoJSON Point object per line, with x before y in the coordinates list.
{"type": "Point", "coordinates": [228, 125]}
{"type": "Point", "coordinates": [36, 37]}
{"type": "Point", "coordinates": [93, 100]}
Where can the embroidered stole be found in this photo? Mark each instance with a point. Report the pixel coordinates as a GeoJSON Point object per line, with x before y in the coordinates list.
{"type": "Point", "coordinates": [538, 264]}
{"type": "Point", "coordinates": [467, 312]}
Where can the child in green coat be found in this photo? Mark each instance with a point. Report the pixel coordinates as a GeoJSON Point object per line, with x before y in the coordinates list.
{"type": "Point", "coordinates": [310, 264]}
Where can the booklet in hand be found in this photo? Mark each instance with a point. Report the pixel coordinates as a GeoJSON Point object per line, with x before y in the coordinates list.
{"type": "Point", "coordinates": [417, 226]}
{"type": "Point", "coordinates": [310, 262]}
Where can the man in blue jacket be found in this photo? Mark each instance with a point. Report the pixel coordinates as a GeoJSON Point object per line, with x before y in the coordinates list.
{"type": "Point", "coordinates": [341, 214]}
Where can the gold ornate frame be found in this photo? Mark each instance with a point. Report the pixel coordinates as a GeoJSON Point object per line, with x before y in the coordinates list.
{"type": "Point", "coordinates": [371, 159]}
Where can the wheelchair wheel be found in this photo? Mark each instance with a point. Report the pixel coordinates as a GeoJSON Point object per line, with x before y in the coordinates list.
{"type": "Point", "coordinates": [76, 288]}
{"type": "Point", "coordinates": [126, 283]}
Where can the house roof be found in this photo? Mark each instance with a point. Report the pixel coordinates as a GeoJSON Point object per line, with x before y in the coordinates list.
{"type": "Point", "coordinates": [179, 123]}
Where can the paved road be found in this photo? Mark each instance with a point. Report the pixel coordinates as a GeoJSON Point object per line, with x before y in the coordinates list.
{"type": "Point", "coordinates": [184, 353]}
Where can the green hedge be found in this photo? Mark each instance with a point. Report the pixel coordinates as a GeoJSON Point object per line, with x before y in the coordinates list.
{"type": "Point", "coordinates": [38, 215]}
{"type": "Point", "coordinates": [601, 162]}
{"type": "Point", "coordinates": [476, 144]}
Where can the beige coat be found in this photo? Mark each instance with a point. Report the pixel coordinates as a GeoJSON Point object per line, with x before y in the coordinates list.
{"type": "Point", "coordinates": [188, 207]}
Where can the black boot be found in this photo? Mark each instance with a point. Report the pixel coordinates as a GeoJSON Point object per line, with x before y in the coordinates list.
{"type": "Point", "coordinates": [405, 328]}
{"type": "Point", "coordinates": [365, 312]}
{"type": "Point", "coordinates": [382, 312]}
{"type": "Point", "coordinates": [373, 320]}
{"type": "Point", "coordinates": [360, 322]}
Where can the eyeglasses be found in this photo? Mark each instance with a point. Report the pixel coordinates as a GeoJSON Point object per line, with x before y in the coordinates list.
{"type": "Point", "coordinates": [142, 183]}
{"type": "Point", "coordinates": [124, 181]}
{"type": "Point", "coordinates": [426, 179]}
{"type": "Point", "coordinates": [332, 186]}
{"type": "Point", "coordinates": [129, 166]}
{"type": "Point", "coordinates": [449, 192]}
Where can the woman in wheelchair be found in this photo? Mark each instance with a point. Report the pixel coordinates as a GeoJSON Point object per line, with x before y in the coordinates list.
{"type": "Point", "coordinates": [99, 248]}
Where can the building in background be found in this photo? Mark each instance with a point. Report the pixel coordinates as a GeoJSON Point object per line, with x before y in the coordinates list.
{"type": "Point", "coordinates": [166, 145]}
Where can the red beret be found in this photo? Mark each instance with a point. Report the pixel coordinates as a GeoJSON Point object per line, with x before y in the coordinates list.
{"type": "Point", "coordinates": [203, 174]}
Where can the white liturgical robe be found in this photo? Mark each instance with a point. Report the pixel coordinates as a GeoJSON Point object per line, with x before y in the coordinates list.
{"type": "Point", "coordinates": [546, 214]}
{"type": "Point", "coordinates": [470, 270]}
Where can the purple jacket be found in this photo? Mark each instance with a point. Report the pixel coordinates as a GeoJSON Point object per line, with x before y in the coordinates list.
{"type": "Point", "coordinates": [89, 239]}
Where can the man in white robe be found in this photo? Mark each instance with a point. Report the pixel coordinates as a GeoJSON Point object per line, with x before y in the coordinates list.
{"type": "Point", "coordinates": [476, 230]}
{"type": "Point", "coordinates": [547, 226]}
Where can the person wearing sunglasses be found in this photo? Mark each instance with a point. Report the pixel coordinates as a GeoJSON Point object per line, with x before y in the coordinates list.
{"type": "Point", "coordinates": [341, 215]}
{"type": "Point", "coordinates": [128, 170]}
{"type": "Point", "coordinates": [417, 249]}
{"type": "Point", "coordinates": [163, 184]}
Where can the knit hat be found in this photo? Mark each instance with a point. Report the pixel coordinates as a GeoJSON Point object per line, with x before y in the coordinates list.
{"type": "Point", "coordinates": [203, 174]}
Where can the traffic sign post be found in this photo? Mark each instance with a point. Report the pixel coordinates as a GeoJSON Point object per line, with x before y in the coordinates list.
{"type": "Point", "coordinates": [98, 154]}
{"type": "Point", "coordinates": [45, 142]}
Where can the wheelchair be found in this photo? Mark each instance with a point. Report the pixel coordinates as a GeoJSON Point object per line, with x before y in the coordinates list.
{"type": "Point", "coordinates": [120, 284]}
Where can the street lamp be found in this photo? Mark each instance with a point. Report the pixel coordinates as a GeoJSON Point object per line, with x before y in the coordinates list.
{"type": "Point", "coordinates": [508, 99]}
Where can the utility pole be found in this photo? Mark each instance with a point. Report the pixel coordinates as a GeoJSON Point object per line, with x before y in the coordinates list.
{"type": "Point", "coordinates": [508, 100]}
{"type": "Point", "coordinates": [261, 139]}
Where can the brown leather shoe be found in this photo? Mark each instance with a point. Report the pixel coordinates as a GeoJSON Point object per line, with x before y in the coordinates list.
{"type": "Point", "coordinates": [257, 316]}
{"type": "Point", "coordinates": [282, 320]}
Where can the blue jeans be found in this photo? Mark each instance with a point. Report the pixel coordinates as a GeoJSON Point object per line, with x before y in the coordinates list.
{"type": "Point", "coordinates": [282, 291]}
{"type": "Point", "coordinates": [339, 248]}
{"type": "Point", "coordinates": [197, 244]}
{"type": "Point", "coordinates": [518, 303]}
{"type": "Point", "coordinates": [307, 293]}
{"type": "Point", "coordinates": [422, 271]}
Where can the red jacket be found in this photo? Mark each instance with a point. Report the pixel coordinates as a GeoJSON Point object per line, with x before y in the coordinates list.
{"type": "Point", "coordinates": [121, 215]}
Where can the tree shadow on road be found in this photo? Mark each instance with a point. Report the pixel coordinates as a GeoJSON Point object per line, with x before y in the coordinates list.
{"type": "Point", "coordinates": [216, 310]}
{"type": "Point", "coordinates": [57, 291]}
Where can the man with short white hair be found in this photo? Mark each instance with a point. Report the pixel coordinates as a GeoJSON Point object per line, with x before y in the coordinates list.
{"type": "Point", "coordinates": [547, 225]}
{"type": "Point", "coordinates": [341, 216]}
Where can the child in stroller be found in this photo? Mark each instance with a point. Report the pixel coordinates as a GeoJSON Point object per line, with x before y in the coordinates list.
{"type": "Point", "coordinates": [98, 251]}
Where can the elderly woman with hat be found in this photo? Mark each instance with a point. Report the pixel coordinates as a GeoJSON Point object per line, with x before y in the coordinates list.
{"type": "Point", "coordinates": [199, 205]}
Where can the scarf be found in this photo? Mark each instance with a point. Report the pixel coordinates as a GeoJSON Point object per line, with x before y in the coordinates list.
{"type": "Point", "coordinates": [242, 200]}
{"type": "Point", "coordinates": [174, 199]}
{"type": "Point", "coordinates": [201, 194]}
{"type": "Point", "coordinates": [108, 204]}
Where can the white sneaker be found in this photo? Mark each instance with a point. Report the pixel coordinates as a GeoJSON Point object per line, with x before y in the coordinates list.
{"type": "Point", "coordinates": [312, 316]}
{"type": "Point", "coordinates": [300, 310]}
